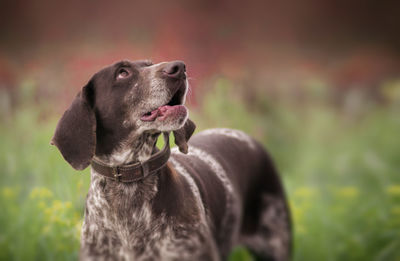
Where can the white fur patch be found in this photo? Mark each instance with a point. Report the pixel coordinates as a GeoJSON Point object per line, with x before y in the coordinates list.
{"type": "Point", "coordinates": [158, 91]}
{"type": "Point", "coordinates": [214, 165]}
{"type": "Point", "coordinates": [121, 156]}
{"type": "Point", "coordinates": [236, 134]}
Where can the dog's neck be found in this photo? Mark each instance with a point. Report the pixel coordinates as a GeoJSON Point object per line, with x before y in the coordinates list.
{"type": "Point", "coordinates": [134, 149]}
{"type": "Point", "coordinates": [126, 198]}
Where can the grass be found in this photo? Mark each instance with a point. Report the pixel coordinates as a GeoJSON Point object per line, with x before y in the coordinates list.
{"type": "Point", "coordinates": [341, 174]}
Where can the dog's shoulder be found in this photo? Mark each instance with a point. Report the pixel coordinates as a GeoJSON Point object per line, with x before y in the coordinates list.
{"type": "Point", "coordinates": [222, 137]}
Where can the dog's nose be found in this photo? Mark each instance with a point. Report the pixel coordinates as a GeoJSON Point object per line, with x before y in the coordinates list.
{"type": "Point", "coordinates": [175, 69]}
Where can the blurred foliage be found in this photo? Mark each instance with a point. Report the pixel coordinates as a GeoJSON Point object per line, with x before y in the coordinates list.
{"type": "Point", "coordinates": [41, 199]}
{"type": "Point", "coordinates": [340, 166]}
{"type": "Point", "coordinates": [325, 105]}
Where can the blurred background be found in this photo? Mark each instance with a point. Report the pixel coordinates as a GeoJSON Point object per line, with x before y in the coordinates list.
{"type": "Point", "coordinates": [316, 81]}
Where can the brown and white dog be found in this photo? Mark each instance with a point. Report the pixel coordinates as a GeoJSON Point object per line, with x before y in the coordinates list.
{"type": "Point", "coordinates": [224, 192]}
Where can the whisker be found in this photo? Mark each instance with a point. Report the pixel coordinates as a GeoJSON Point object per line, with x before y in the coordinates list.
{"type": "Point", "coordinates": [189, 92]}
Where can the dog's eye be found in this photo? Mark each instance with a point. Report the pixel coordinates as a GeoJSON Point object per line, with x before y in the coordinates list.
{"type": "Point", "coordinates": [123, 73]}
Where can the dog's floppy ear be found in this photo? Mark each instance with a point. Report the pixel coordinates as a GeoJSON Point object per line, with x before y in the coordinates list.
{"type": "Point", "coordinates": [75, 134]}
{"type": "Point", "coordinates": [183, 134]}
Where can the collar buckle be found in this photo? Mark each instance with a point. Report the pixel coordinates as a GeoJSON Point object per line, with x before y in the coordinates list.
{"type": "Point", "coordinates": [116, 174]}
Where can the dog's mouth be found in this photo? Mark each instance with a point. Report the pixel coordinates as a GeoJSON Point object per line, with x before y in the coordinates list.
{"type": "Point", "coordinates": [173, 108]}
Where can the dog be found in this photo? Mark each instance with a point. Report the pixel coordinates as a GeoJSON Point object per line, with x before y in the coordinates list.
{"type": "Point", "coordinates": [194, 202]}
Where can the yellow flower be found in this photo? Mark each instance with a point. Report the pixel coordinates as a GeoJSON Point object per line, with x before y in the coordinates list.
{"type": "Point", "coordinates": [298, 216]}
{"type": "Point", "coordinates": [8, 192]}
{"type": "Point", "coordinates": [57, 205]}
{"type": "Point", "coordinates": [46, 229]}
{"type": "Point", "coordinates": [79, 184]}
{"type": "Point", "coordinates": [297, 213]}
{"type": "Point", "coordinates": [41, 204]}
{"type": "Point", "coordinates": [48, 211]}
{"type": "Point", "coordinates": [395, 210]}
{"type": "Point", "coordinates": [67, 204]}
{"type": "Point", "coordinates": [78, 228]}
{"type": "Point", "coordinates": [348, 192]}
{"type": "Point", "coordinates": [40, 192]}
{"type": "Point", "coordinates": [305, 192]}
{"type": "Point", "coordinates": [58, 213]}
{"type": "Point", "coordinates": [393, 190]}
{"type": "Point", "coordinates": [300, 229]}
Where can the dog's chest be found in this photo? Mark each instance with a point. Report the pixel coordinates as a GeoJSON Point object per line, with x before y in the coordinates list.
{"type": "Point", "coordinates": [120, 224]}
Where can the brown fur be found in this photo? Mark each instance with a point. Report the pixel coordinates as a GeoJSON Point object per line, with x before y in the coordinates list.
{"type": "Point", "coordinates": [224, 192]}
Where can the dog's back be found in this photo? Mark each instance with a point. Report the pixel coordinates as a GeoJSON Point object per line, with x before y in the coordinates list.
{"type": "Point", "coordinates": [240, 190]}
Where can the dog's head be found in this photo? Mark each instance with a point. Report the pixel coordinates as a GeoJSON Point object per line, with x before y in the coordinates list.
{"type": "Point", "coordinates": [126, 99]}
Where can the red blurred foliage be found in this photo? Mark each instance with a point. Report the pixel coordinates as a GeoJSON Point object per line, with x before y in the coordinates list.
{"type": "Point", "coordinates": [60, 44]}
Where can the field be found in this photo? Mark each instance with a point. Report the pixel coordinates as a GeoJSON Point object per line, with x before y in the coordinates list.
{"type": "Point", "coordinates": [340, 168]}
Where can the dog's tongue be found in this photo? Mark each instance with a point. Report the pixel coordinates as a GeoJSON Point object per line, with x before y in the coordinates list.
{"type": "Point", "coordinates": [163, 112]}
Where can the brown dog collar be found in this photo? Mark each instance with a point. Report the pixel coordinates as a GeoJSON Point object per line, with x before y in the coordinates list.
{"type": "Point", "coordinates": [136, 171]}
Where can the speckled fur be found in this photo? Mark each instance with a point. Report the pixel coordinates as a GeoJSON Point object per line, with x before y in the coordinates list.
{"type": "Point", "coordinates": [120, 224]}
{"type": "Point", "coordinates": [224, 192]}
{"type": "Point", "coordinates": [273, 237]}
{"type": "Point", "coordinates": [231, 220]}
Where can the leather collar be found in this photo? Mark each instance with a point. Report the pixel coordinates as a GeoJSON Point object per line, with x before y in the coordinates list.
{"type": "Point", "coordinates": [136, 171]}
